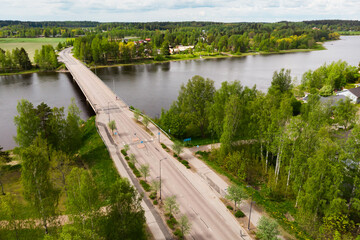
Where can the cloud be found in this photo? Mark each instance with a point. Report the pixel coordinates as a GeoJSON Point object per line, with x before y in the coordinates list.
{"type": "Point", "coordinates": [186, 10]}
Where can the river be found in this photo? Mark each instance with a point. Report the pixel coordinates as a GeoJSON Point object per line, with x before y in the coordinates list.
{"type": "Point", "coordinates": [155, 86]}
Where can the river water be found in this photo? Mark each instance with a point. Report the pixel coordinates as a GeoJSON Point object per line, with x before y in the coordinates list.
{"type": "Point", "coordinates": [155, 86]}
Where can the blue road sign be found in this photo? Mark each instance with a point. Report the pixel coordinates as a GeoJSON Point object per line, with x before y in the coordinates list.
{"type": "Point", "coordinates": [142, 142]}
{"type": "Point", "coordinates": [187, 139]}
{"type": "Point", "coordinates": [158, 133]}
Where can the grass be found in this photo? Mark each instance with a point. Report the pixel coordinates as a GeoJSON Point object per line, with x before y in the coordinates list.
{"type": "Point", "coordinates": [95, 156]}
{"type": "Point", "coordinates": [29, 44]}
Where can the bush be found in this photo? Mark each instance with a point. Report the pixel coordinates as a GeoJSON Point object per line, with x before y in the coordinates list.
{"type": "Point", "coordinates": [175, 155]}
{"type": "Point", "coordinates": [152, 195]}
{"type": "Point", "coordinates": [184, 162]}
{"type": "Point", "coordinates": [171, 222]}
{"type": "Point", "coordinates": [155, 202]}
{"type": "Point", "coordinates": [124, 152]}
{"type": "Point", "coordinates": [145, 185]}
{"type": "Point", "coordinates": [127, 158]}
{"type": "Point", "coordinates": [179, 158]}
{"type": "Point", "coordinates": [239, 214]}
{"type": "Point", "coordinates": [230, 207]}
{"type": "Point", "coordinates": [163, 146]}
{"type": "Point", "coordinates": [178, 233]}
{"type": "Point", "coordinates": [134, 169]}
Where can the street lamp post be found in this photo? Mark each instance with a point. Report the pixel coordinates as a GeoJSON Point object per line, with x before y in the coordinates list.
{"type": "Point", "coordinates": [250, 208]}
{"type": "Point", "coordinates": [109, 110]}
{"type": "Point", "coordinates": [250, 214]}
{"type": "Point", "coordinates": [160, 176]}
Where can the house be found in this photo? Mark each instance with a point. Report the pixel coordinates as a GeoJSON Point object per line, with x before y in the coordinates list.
{"type": "Point", "coordinates": [332, 100]}
{"type": "Point", "coordinates": [353, 94]}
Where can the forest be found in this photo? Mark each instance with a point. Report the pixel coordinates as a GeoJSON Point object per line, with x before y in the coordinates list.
{"type": "Point", "coordinates": [66, 173]}
{"type": "Point", "coordinates": [300, 158]}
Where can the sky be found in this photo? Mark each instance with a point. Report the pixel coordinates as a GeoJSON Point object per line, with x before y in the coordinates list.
{"type": "Point", "coordinates": [179, 10]}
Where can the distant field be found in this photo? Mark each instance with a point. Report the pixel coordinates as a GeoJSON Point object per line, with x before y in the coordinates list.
{"type": "Point", "coordinates": [29, 44]}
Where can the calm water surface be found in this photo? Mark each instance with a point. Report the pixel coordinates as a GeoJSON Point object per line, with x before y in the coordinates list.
{"type": "Point", "coordinates": [55, 89]}
{"type": "Point", "coordinates": [155, 86]}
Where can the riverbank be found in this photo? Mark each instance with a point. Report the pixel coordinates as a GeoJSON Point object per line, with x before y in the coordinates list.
{"type": "Point", "coordinates": [179, 57]}
{"type": "Point", "coordinates": [197, 56]}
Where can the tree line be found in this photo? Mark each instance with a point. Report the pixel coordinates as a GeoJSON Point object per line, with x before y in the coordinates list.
{"type": "Point", "coordinates": [18, 60]}
{"type": "Point", "coordinates": [107, 45]}
{"type": "Point", "coordinates": [304, 154]}
{"type": "Point", "coordinates": [48, 148]}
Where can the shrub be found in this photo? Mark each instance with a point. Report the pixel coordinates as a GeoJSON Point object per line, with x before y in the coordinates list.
{"type": "Point", "coordinates": [134, 169]}
{"type": "Point", "coordinates": [175, 155]}
{"type": "Point", "coordinates": [152, 195]}
{"type": "Point", "coordinates": [124, 152]}
{"type": "Point", "coordinates": [145, 185]}
{"type": "Point", "coordinates": [184, 162]}
{"type": "Point", "coordinates": [178, 233]}
{"type": "Point", "coordinates": [239, 214]}
{"type": "Point", "coordinates": [127, 158]}
{"type": "Point", "coordinates": [163, 146]}
{"type": "Point", "coordinates": [230, 207]}
{"type": "Point", "coordinates": [155, 202]}
{"type": "Point", "coordinates": [179, 158]}
{"type": "Point", "coordinates": [171, 222]}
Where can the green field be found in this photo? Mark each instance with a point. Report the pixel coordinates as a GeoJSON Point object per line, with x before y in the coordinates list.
{"type": "Point", "coordinates": [29, 44]}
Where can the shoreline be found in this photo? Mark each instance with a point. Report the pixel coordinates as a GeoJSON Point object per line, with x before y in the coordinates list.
{"type": "Point", "coordinates": [219, 56]}
{"type": "Point", "coordinates": [195, 57]}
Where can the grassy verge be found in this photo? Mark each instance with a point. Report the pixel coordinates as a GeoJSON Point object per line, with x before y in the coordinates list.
{"type": "Point", "coordinates": [95, 156]}
{"type": "Point", "coordinates": [276, 209]}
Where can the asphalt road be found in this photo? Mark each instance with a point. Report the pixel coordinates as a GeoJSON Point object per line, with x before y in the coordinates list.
{"type": "Point", "coordinates": [209, 217]}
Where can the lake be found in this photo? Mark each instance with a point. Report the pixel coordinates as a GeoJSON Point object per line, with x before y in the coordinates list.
{"type": "Point", "coordinates": [155, 86]}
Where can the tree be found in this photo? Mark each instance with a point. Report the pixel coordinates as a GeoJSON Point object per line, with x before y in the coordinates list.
{"type": "Point", "coordinates": [125, 218]}
{"type": "Point", "coordinates": [46, 58]}
{"type": "Point", "coordinates": [185, 225]}
{"type": "Point", "coordinates": [112, 126]}
{"type": "Point", "coordinates": [73, 130]}
{"type": "Point", "coordinates": [345, 113]}
{"type": "Point", "coordinates": [126, 147]}
{"type": "Point", "coordinates": [83, 198]}
{"type": "Point", "coordinates": [236, 194]}
{"type": "Point", "coordinates": [178, 147]}
{"type": "Point", "coordinates": [144, 170]}
{"type": "Point", "coordinates": [27, 123]}
{"type": "Point", "coordinates": [155, 186]}
{"type": "Point", "coordinates": [145, 121]}
{"type": "Point", "coordinates": [267, 229]}
{"type": "Point", "coordinates": [193, 100]}
{"type": "Point", "coordinates": [4, 158]}
{"type": "Point", "coordinates": [170, 204]}
{"type": "Point", "coordinates": [281, 81]}
{"type": "Point", "coordinates": [132, 158]}
{"type": "Point", "coordinates": [10, 211]}
{"type": "Point", "coordinates": [61, 167]}
{"type": "Point", "coordinates": [35, 177]}
{"type": "Point", "coordinates": [136, 114]}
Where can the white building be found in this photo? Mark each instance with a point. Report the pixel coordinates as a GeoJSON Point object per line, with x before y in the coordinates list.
{"type": "Point", "coordinates": [353, 94]}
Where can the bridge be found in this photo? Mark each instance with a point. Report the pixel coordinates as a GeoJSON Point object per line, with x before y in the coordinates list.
{"type": "Point", "coordinates": [208, 215]}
